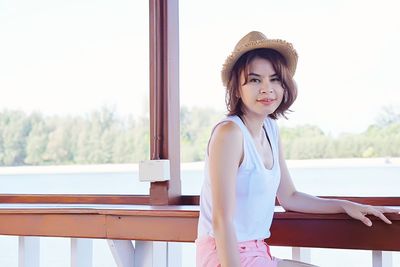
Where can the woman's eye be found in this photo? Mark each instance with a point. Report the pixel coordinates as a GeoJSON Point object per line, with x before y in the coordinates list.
{"type": "Point", "coordinates": [254, 80]}
{"type": "Point", "coordinates": [276, 79]}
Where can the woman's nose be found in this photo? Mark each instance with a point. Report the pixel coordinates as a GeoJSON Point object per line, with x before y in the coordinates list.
{"type": "Point", "coordinates": [265, 89]}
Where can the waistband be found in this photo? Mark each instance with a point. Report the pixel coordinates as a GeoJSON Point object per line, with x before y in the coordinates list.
{"type": "Point", "coordinates": [243, 245]}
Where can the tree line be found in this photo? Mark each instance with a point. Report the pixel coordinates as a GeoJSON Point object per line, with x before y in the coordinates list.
{"type": "Point", "coordinates": [104, 137]}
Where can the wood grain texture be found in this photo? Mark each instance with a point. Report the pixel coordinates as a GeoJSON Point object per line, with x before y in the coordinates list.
{"type": "Point", "coordinates": [179, 223]}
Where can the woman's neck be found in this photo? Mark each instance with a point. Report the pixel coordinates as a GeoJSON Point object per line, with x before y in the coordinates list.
{"type": "Point", "coordinates": [254, 124]}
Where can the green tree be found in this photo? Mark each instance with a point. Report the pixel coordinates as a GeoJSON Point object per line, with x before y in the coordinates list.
{"type": "Point", "coordinates": [58, 147]}
{"type": "Point", "coordinates": [36, 141]}
{"type": "Point", "coordinates": [139, 139]}
{"type": "Point", "coordinates": [14, 134]}
{"type": "Point", "coordinates": [102, 137]}
{"type": "Point", "coordinates": [196, 126]}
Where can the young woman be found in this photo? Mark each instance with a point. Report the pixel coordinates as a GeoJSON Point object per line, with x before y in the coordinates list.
{"type": "Point", "coordinates": [245, 167]}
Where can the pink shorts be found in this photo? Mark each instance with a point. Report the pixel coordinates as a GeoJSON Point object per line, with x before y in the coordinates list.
{"type": "Point", "coordinates": [254, 253]}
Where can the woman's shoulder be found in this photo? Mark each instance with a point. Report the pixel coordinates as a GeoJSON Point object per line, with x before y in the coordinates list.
{"type": "Point", "coordinates": [228, 129]}
{"type": "Point", "coordinates": [227, 137]}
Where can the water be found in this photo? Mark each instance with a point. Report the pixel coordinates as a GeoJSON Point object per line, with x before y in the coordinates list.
{"type": "Point", "coordinates": [375, 180]}
{"type": "Point", "coordinates": [366, 179]}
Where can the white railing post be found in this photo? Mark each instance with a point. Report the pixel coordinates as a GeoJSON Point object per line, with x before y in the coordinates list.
{"type": "Point", "coordinates": [150, 254]}
{"type": "Point", "coordinates": [28, 251]}
{"type": "Point", "coordinates": [122, 251]}
{"type": "Point", "coordinates": [382, 258]}
{"type": "Point", "coordinates": [81, 252]}
{"type": "Point", "coordinates": [157, 254]}
{"type": "Point", "coordinates": [174, 254]}
{"type": "Point", "coordinates": [301, 254]}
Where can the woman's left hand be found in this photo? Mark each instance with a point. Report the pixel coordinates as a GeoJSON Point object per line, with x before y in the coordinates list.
{"type": "Point", "coordinates": [359, 212]}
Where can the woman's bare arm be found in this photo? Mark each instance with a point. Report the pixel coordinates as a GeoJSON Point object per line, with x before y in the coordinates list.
{"type": "Point", "coordinates": [293, 200]}
{"type": "Point", "coordinates": [225, 152]}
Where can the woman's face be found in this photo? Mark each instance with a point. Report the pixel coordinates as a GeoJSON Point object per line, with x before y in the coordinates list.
{"type": "Point", "coordinates": [263, 92]}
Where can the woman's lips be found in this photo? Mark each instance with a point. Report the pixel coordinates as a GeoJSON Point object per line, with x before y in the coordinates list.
{"type": "Point", "coordinates": [266, 101]}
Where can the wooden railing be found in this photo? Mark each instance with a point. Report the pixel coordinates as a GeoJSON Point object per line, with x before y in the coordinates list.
{"type": "Point", "coordinates": [117, 218]}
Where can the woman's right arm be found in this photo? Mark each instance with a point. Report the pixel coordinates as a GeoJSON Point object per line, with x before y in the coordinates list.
{"type": "Point", "coordinates": [225, 153]}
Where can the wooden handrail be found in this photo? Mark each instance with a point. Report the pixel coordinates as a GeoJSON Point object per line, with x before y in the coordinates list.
{"type": "Point", "coordinates": [75, 198]}
{"type": "Point", "coordinates": [132, 217]}
{"type": "Point", "coordinates": [179, 223]}
{"type": "Point", "coordinates": [145, 199]}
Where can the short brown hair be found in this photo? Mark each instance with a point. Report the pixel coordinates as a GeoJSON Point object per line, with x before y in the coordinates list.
{"type": "Point", "coordinates": [234, 103]}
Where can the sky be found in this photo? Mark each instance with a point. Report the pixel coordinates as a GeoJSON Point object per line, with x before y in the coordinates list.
{"type": "Point", "coordinates": [73, 57]}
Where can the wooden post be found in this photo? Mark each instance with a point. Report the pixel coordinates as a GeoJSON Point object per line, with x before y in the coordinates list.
{"type": "Point", "coordinates": [164, 97]}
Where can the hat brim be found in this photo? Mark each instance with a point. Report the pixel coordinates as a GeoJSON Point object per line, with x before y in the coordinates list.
{"type": "Point", "coordinates": [284, 48]}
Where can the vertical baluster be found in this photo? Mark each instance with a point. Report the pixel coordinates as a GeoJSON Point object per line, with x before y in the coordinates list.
{"type": "Point", "coordinates": [157, 254]}
{"type": "Point", "coordinates": [174, 254]}
{"type": "Point", "coordinates": [382, 258]}
{"type": "Point", "coordinates": [81, 252]}
{"type": "Point", "coordinates": [150, 254]}
{"type": "Point", "coordinates": [123, 252]}
{"type": "Point", "coordinates": [301, 254]}
{"type": "Point", "coordinates": [28, 251]}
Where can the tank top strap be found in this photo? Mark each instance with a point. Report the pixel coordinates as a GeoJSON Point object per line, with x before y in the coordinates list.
{"type": "Point", "coordinates": [236, 119]}
{"type": "Point", "coordinates": [249, 151]}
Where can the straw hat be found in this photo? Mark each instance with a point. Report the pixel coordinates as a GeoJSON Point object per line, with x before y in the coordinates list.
{"type": "Point", "coordinates": [254, 40]}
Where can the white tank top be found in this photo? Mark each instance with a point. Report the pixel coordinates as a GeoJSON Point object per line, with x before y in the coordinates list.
{"type": "Point", "coordinates": [256, 189]}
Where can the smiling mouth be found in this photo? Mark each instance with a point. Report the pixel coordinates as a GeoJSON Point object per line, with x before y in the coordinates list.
{"type": "Point", "coordinates": [266, 101]}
